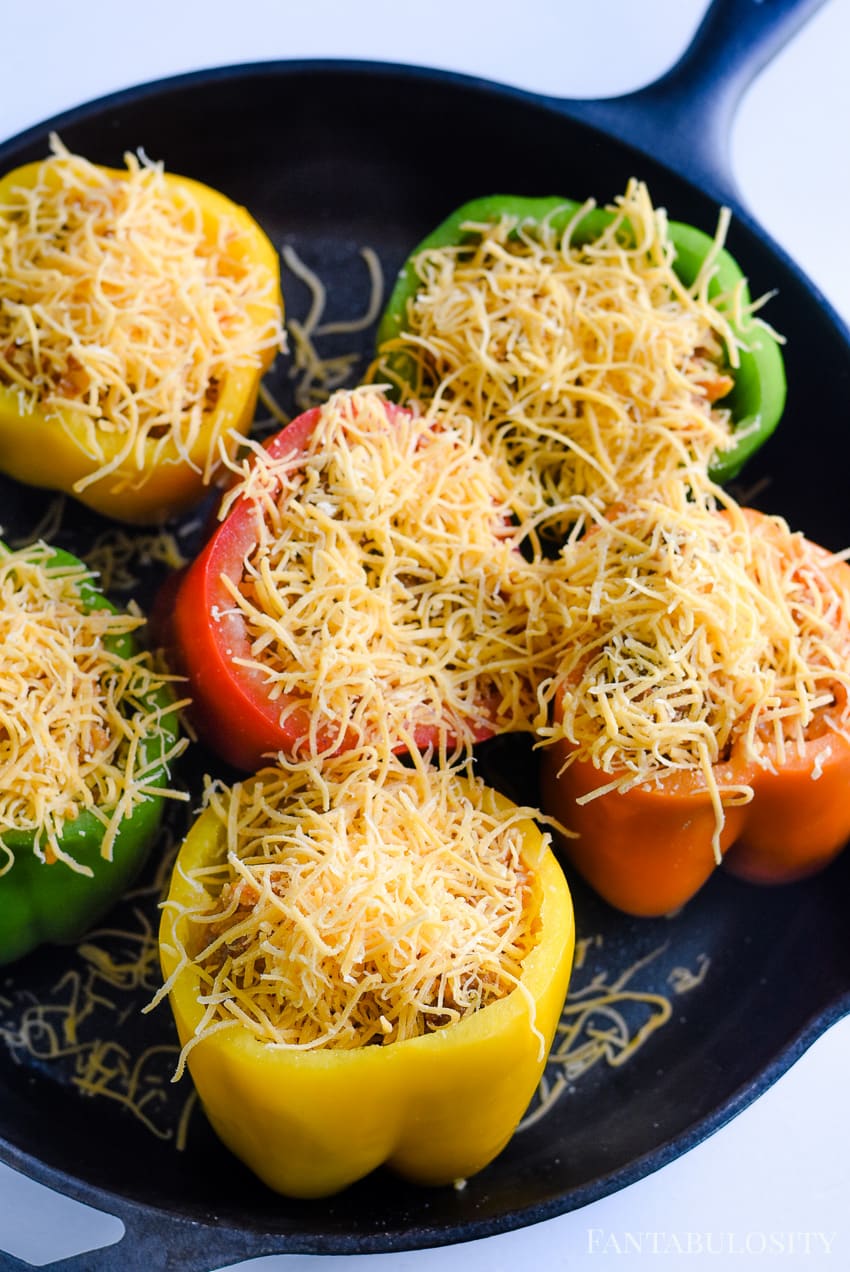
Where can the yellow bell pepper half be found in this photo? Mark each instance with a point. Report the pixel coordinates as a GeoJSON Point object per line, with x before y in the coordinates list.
{"type": "Point", "coordinates": [435, 1109]}
{"type": "Point", "coordinates": [51, 448]}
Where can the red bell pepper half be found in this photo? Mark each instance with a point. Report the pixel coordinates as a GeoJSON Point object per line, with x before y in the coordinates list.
{"type": "Point", "coordinates": [206, 640]}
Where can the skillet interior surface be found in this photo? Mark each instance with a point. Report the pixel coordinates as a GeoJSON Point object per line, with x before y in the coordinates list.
{"type": "Point", "coordinates": [332, 159]}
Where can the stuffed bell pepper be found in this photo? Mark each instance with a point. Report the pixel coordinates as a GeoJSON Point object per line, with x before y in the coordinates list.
{"type": "Point", "coordinates": [703, 715]}
{"type": "Point", "coordinates": [89, 731]}
{"type": "Point", "coordinates": [138, 312]}
{"type": "Point", "coordinates": [599, 349]}
{"type": "Point", "coordinates": [363, 586]}
{"type": "Point", "coordinates": [366, 965]}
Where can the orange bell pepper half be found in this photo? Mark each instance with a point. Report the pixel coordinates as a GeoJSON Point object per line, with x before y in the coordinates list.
{"type": "Point", "coordinates": [647, 849]}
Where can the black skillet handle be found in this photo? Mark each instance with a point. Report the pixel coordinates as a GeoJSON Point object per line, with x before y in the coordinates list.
{"type": "Point", "coordinates": [684, 119]}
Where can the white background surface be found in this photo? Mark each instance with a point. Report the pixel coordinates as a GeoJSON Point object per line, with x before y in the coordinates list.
{"type": "Point", "coordinates": [772, 1189]}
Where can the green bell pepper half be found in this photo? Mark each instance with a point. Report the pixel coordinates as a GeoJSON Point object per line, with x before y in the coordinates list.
{"type": "Point", "coordinates": [44, 903]}
{"type": "Point", "coordinates": [757, 400]}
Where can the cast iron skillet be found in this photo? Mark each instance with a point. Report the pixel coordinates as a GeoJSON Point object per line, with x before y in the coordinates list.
{"type": "Point", "coordinates": [330, 157]}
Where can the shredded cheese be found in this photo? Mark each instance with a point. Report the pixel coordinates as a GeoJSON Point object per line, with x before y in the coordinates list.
{"type": "Point", "coordinates": [116, 553]}
{"type": "Point", "coordinates": [590, 368]}
{"type": "Point", "coordinates": [318, 851]}
{"type": "Point", "coordinates": [317, 375]}
{"type": "Point", "coordinates": [315, 370]}
{"type": "Point", "coordinates": [607, 1019]}
{"type": "Point", "coordinates": [694, 633]}
{"type": "Point", "coordinates": [73, 711]}
{"type": "Point", "coordinates": [121, 304]}
{"type": "Point", "coordinates": [357, 902]}
{"type": "Point", "coordinates": [77, 1024]}
{"type": "Point", "coordinates": [48, 527]}
{"type": "Point", "coordinates": [385, 590]}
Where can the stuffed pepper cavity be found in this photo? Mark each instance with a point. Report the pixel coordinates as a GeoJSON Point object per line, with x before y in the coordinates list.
{"type": "Point", "coordinates": [88, 734]}
{"type": "Point", "coordinates": [366, 963]}
{"type": "Point", "coordinates": [364, 586]}
{"type": "Point", "coordinates": [599, 349]}
{"type": "Point", "coordinates": [138, 313]}
{"type": "Point", "coordinates": [702, 715]}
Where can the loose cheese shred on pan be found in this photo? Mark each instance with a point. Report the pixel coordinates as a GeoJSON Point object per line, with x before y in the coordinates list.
{"type": "Point", "coordinates": [119, 305]}
{"type": "Point", "coordinates": [591, 368]}
{"type": "Point", "coordinates": [353, 907]}
{"type": "Point", "coordinates": [385, 590]}
{"type": "Point", "coordinates": [78, 1025]}
{"type": "Point", "coordinates": [694, 634]}
{"type": "Point", "coordinates": [608, 1019]}
{"type": "Point", "coordinates": [316, 376]}
{"type": "Point", "coordinates": [73, 713]}
{"type": "Point", "coordinates": [116, 554]}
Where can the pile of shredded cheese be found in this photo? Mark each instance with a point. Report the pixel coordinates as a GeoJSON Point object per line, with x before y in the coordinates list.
{"type": "Point", "coordinates": [692, 632]}
{"type": "Point", "coordinates": [120, 304]}
{"type": "Point", "coordinates": [590, 368]}
{"type": "Point", "coordinates": [73, 712]}
{"type": "Point", "coordinates": [353, 906]}
{"type": "Point", "coordinates": [385, 589]}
